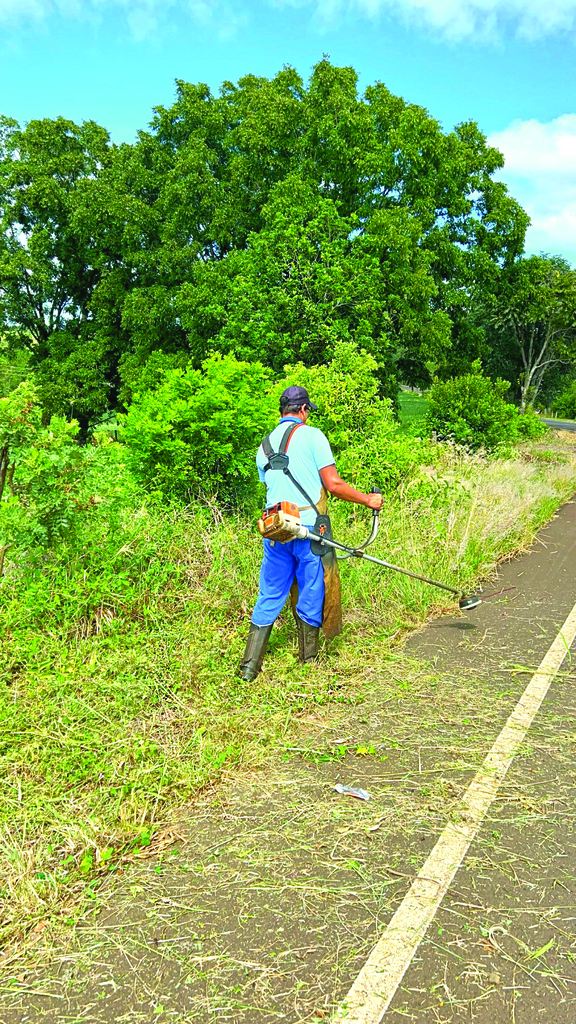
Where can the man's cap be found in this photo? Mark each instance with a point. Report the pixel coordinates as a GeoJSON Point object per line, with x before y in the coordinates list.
{"type": "Point", "coordinates": [297, 396]}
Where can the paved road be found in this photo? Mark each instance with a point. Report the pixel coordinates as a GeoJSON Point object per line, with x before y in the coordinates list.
{"type": "Point", "coordinates": [502, 948]}
{"type": "Point", "coordinates": [560, 424]}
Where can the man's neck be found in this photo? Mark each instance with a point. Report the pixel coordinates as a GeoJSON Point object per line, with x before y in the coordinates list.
{"type": "Point", "coordinates": [293, 417]}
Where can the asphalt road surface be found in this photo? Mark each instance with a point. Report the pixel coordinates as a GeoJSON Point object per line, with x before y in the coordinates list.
{"type": "Point", "coordinates": [518, 880]}
{"type": "Point", "coordinates": [560, 424]}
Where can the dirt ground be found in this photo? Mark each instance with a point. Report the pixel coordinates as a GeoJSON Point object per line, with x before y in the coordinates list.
{"type": "Point", "coordinates": [264, 905]}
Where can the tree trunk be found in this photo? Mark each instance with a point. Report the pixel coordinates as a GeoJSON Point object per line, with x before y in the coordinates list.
{"type": "Point", "coordinates": [3, 551]}
{"type": "Point", "coordinates": [3, 468]}
{"type": "Point", "coordinates": [84, 425]}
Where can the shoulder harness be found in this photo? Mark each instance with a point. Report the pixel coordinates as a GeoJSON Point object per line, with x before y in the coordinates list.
{"type": "Point", "coordinates": [279, 460]}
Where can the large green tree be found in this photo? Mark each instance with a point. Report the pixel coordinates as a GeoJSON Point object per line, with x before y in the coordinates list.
{"type": "Point", "coordinates": [48, 265]}
{"type": "Point", "coordinates": [531, 323]}
{"type": "Point", "coordinates": [272, 220]}
{"type": "Point", "coordinates": [278, 216]}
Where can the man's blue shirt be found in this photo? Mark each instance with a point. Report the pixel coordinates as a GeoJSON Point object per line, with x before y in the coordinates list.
{"type": "Point", "coordinates": [309, 451]}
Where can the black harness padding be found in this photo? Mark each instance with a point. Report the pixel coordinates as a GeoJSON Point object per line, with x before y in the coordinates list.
{"type": "Point", "coordinates": [279, 460]}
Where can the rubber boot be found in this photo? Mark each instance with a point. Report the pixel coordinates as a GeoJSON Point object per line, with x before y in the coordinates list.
{"type": "Point", "coordinates": [308, 637]}
{"type": "Point", "coordinates": [256, 644]}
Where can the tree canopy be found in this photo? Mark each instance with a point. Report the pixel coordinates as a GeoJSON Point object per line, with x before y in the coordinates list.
{"type": "Point", "coordinates": [271, 221]}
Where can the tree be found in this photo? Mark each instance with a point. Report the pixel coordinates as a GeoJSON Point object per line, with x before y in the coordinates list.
{"type": "Point", "coordinates": [202, 225]}
{"type": "Point", "coordinates": [532, 319]}
{"type": "Point", "coordinates": [309, 280]}
{"type": "Point", "coordinates": [271, 219]}
{"type": "Point", "coordinates": [48, 269]}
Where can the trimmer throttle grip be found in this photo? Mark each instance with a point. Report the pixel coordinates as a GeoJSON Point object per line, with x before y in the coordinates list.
{"type": "Point", "coordinates": [375, 490]}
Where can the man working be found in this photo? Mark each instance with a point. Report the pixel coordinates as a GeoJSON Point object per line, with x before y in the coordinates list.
{"type": "Point", "coordinates": [311, 465]}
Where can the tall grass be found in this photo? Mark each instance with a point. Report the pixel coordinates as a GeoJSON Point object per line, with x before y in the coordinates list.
{"type": "Point", "coordinates": [118, 696]}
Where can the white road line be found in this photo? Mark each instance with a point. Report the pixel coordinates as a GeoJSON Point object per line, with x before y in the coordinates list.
{"type": "Point", "coordinates": [378, 981]}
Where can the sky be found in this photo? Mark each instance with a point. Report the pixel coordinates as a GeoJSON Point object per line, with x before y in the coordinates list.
{"type": "Point", "coordinates": [508, 64]}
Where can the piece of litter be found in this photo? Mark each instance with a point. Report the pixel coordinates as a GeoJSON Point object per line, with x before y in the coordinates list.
{"type": "Point", "coordinates": [360, 794]}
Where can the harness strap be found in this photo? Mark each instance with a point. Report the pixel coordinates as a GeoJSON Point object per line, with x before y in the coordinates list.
{"type": "Point", "coordinates": [279, 460]}
{"type": "Point", "coordinates": [286, 438]}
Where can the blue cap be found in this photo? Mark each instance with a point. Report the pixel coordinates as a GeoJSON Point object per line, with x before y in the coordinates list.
{"type": "Point", "coordinates": [297, 396]}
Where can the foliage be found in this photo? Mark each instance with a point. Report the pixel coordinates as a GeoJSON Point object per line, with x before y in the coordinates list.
{"type": "Point", "coordinates": [198, 431]}
{"type": "Point", "coordinates": [118, 696]}
{"type": "Point", "coordinates": [531, 320]}
{"type": "Point", "coordinates": [472, 411]}
{"type": "Point", "coordinates": [530, 426]}
{"type": "Point", "coordinates": [565, 403]}
{"type": "Point", "coordinates": [14, 369]}
{"type": "Point", "coordinates": [48, 269]}
{"type": "Point", "coordinates": [310, 279]}
{"type": "Point", "coordinates": [41, 474]}
{"type": "Point", "coordinates": [270, 221]}
{"type": "Point", "coordinates": [358, 423]}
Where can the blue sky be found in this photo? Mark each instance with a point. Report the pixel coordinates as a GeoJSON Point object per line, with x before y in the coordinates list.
{"type": "Point", "coordinates": [509, 64]}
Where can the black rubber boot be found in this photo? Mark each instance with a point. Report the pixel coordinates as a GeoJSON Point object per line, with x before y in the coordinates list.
{"type": "Point", "coordinates": [308, 637]}
{"type": "Point", "coordinates": [256, 644]}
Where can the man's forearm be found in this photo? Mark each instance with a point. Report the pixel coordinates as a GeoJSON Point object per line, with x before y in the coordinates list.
{"type": "Point", "coordinates": [340, 489]}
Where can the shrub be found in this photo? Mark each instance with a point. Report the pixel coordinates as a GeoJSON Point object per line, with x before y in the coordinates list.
{"type": "Point", "coordinates": [41, 474]}
{"type": "Point", "coordinates": [530, 426]}
{"type": "Point", "coordinates": [359, 424]}
{"type": "Point", "coordinates": [14, 369]}
{"type": "Point", "coordinates": [472, 411]}
{"type": "Point", "coordinates": [197, 433]}
{"type": "Point", "coordinates": [565, 403]}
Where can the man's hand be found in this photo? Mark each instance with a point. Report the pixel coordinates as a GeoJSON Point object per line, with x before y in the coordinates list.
{"type": "Point", "coordinates": [375, 501]}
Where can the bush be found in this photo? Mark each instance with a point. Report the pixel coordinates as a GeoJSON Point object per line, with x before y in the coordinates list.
{"type": "Point", "coordinates": [14, 369]}
{"type": "Point", "coordinates": [42, 472]}
{"type": "Point", "coordinates": [472, 411]}
{"type": "Point", "coordinates": [565, 404]}
{"type": "Point", "coordinates": [197, 433]}
{"type": "Point", "coordinates": [359, 424]}
{"type": "Point", "coordinates": [530, 426]}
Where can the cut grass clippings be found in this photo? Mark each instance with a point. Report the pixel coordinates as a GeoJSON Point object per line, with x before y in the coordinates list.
{"type": "Point", "coordinates": [119, 698]}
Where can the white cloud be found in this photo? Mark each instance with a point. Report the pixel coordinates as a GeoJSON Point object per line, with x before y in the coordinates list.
{"type": "Point", "coordinates": [453, 19]}
{"type": "Point", "coordinates": [540, 170]}
{"type": "Point", "coordinates": [144, 17]}
{"type": "Point", "coordinates": [484, 20]}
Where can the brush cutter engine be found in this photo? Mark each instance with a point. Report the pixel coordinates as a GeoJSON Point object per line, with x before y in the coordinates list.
{"type": "Point", "coordinates": [282, 523]}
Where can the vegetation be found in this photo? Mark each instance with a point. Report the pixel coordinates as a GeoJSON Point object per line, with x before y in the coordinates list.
{"type": "Point", "coordinates": [531, 320]}
{"type": "Point", "coordinates": [471, 410]}
{"type": "Point", "coordinates": [565, 403]}
{"type": "Point", "coordinates": [155, 300]}
{"type": "Point", "coordinates": [119, 698]}
{"type": "Point", "coordinates": [270, 222]}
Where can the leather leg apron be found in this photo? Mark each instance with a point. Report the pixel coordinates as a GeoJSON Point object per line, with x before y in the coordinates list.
{"type": "Point", "coordinates": [332, 609]}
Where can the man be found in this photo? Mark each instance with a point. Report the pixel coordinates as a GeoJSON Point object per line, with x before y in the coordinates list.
{"type": "Point", "coordinates": [312, 465]}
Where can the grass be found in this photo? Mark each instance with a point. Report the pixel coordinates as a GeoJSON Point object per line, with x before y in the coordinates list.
{"type": "Point", "coordinates": [119, 702]}
{"type": "Point", "coordinates": [279, 889]}
{"type": "Point", "coordinates": [413, 409]}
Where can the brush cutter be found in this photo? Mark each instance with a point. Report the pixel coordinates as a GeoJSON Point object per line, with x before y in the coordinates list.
{"type": "Point", "coordinates": [293, 529]}
{"type": "Point", "coordinates": [466, 602]}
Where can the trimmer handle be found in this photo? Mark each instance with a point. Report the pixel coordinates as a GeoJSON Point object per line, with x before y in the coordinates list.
{"type": "Point", "coordinates": [375, 490]}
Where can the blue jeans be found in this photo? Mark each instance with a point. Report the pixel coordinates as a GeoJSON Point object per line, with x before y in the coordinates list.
{"type": "Point", "coordinates": [281, 564]}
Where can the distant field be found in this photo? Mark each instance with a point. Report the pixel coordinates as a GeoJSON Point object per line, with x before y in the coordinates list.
{"type": "Point", "coordinates": [413, 409]}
